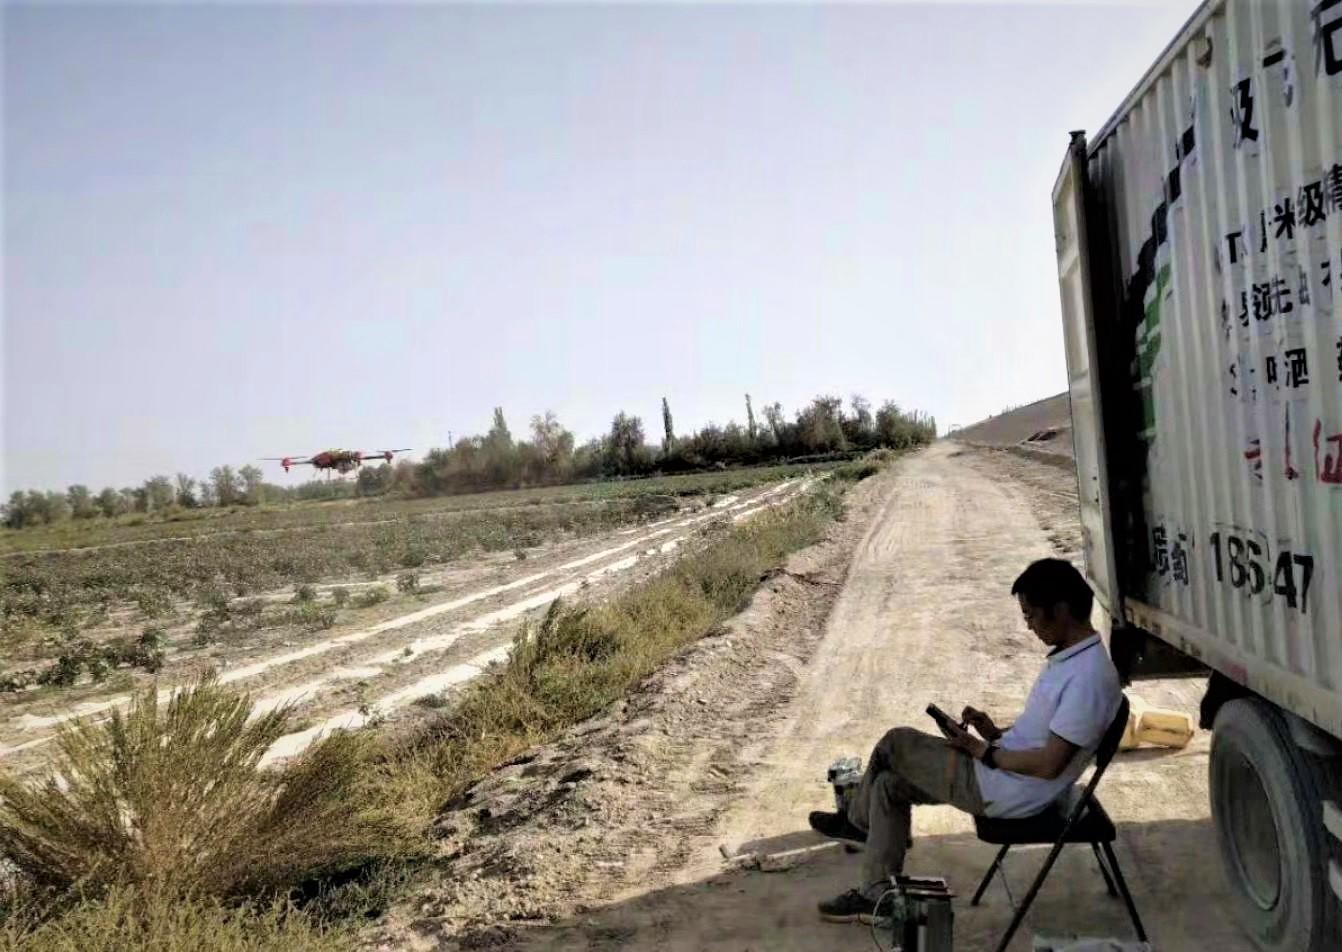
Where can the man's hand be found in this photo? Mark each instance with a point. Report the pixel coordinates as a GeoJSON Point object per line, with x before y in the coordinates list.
{"type": "Point", "coordinates": [962, 740]}
{"type": "Point", "coordinates": [981, 722]}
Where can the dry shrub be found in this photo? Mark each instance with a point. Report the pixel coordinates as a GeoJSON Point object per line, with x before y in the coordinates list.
{"type": "Point", "coordinates": [370, 597]}
{"type": "Point", "coordinates": [167, 797]}
{"type": "Point", "coordinates": [127, 919]}
{"type": "Point", "coordinates": [860, 469]}
{"type": "Point", "coordinates": [333, 809]}
{"type": "Point", "coordinates": [310, 616]}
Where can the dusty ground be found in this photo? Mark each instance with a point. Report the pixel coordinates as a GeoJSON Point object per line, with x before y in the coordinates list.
{"type": "Point", "coordinates": [1052, 416]}
{"type": "Point", "coordinates": [613, 838]}
{"type": "Point", "coordinates": [379, 662]}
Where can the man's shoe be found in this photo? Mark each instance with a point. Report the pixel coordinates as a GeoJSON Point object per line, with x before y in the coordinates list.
{"type": "Point", "coordinates": [853, 906]}
{"type": "Point", "coordinates": [836, 826]}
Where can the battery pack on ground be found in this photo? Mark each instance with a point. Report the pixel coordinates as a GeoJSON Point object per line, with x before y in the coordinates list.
{"type": "Point", "coordinates": [923, 919]}
{"type": "Point", "coordinates": [844, 775]}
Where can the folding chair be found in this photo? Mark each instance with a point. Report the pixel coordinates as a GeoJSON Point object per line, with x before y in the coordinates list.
{"type": "Point", "coordinates": [1080, 819]}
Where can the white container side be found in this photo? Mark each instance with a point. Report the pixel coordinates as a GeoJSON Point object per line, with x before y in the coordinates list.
{"type": "Point", "coordinates": [1220, 183]}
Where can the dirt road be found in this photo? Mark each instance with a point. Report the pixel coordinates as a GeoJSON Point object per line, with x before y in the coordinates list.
{"type": "Point", "coordinates": [923, 615]}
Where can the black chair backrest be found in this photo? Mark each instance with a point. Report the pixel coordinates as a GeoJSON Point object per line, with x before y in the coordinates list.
{"type": "Point", "coordinates": [1112, 737]}
{"type": "Point", "coordinates": [1103, 755]}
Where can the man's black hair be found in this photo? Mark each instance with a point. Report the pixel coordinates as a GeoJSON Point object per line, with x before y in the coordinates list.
{"type": "Point", "coordinates": [1049, 581]}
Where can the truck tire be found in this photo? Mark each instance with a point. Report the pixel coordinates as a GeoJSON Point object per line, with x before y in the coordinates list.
{"type": "Point", "coordinates": [1267, 801]}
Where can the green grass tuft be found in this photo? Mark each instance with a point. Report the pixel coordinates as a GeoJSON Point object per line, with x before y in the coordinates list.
{"type": "Point", "coordinates": [126, 919]}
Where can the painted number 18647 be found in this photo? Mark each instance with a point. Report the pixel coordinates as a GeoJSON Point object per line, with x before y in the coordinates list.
{"type": "Point", "coordinates": [1245, 562]}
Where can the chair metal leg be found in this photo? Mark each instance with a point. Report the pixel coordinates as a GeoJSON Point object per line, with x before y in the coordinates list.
{"type": "Point", "coordinates": [1024, 907]}
{"type": "Point", "coordinates": [1104, 870]}
{"type": "Point", "coordinates": [1123, 889]}
{"type": "Point", "coordinates": [988, 876]}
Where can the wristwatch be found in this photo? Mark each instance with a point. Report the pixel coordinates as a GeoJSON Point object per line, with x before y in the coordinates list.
{"type": "Point", "coordinates": [989, 759]}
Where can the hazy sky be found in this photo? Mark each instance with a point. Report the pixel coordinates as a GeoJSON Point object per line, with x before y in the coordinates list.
{"type": "Point", "coordinates": [234, 232]}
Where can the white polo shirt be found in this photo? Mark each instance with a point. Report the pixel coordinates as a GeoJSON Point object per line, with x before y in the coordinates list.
{"type": "Point", "coordinates": [1076, 697]}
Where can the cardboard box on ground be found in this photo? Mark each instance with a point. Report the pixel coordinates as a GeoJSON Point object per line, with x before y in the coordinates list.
{"type": "Point", "coordinates": [1157, 726]}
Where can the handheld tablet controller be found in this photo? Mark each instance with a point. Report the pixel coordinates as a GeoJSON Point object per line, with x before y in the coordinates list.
{"type": "Point", "coordinates": [945, 723]}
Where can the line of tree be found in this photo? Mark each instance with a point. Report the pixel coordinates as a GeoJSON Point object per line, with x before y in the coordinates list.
{"type": "Point", "coordinates": [495, 460]}
{"type": "Point", "coordinates": [225, 486]}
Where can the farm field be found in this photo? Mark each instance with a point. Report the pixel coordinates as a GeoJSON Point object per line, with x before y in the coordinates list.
{"type": "Point", "coordinates": [347, 623]}
{"type": "Point", "coordinates": [231, 579]}
{"type": "Point", "coordinates": [193, 523]}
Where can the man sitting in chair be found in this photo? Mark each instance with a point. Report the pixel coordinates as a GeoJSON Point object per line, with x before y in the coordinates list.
{"type": "Point", "coordinates": [1009, 773]}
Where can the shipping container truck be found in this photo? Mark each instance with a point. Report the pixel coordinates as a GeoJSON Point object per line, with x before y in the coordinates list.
{"type": "Point", "coordinates": [1199, 253]}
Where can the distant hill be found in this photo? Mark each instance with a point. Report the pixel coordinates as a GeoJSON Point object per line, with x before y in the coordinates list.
{"type": "Point", "coordinates": [1045, 424]}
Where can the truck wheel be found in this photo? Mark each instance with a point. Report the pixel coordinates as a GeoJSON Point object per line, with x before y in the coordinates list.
{"type": "Point", "coordinates": [1266, 799]}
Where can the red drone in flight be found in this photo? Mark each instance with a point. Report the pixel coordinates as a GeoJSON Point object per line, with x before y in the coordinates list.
{"type": "Point", "coordinates": [341, 461]}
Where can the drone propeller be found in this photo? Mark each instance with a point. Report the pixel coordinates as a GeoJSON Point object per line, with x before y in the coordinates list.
{"type": "Point", "coordinates": [383, 454]}
{"type": "Point", "coordinates": [288, 461]}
